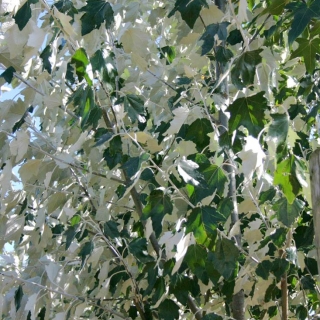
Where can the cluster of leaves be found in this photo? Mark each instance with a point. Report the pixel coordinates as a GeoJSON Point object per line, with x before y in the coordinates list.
{"type": "Point", "coordinates": [115, 168]}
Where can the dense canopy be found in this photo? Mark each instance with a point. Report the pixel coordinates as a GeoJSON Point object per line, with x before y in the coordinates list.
{"type": "Point", "coordinates": [154, 159]}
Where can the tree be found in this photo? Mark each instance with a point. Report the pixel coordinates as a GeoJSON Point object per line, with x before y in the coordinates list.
{"type": "Point", "coordinates": [154, 164]}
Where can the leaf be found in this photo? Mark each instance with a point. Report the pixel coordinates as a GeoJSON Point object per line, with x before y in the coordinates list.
{"type": "Point", "coordinates": [83, 99]}
{"type": "Point", "coordinates": [168, 53]}
{"type": "Point", "coordinates": [104, 138]}
{"type": "Point", "coordinates": [158, 205]}
{"type": "Point", "coordinates": [248, 112]}
{"type": "Point", "coordinates": [285, 177]}
{"type": "Point", "coordinates": [197, 132]}
{"type": "Point", "coordinates": [189, 173]}
{"type": "Point", "coordinates": [85, 251]}
{"type": "Point", "coordinates": [203, 222]}
{"type": "Point", "coordinates": [212, 316]}
{"type": "Point", "coordinates": [168, 310]}
{"type": "Point", "coordinates": [56, 200]}
{"type": "Point", "coordinates": [276, 7]}
{"type": "Point", "coordinates": [159, 290]}
{"type": "Point", "coordinates": [224, 257]}
{"type": "Point", "coordinates": [45, 55]}
{"type": "Point", "coordinates": [181, 285]}
{"type": "Point", "coordinates": [263, 269]}
{"type": "Point", "coordinates": [308, 50]}
{"type": "Point", "coordinates": [23, 15]}
{"type": "Point", "coordinates": [267, 195]}
{"type": "Point", "coordinates": [110, 229]}
{"type": "Point", "coordinates": [8, 74]}
{"type": "Point", "coordinates": [81, 61]}
{"type": "Point", "coordinates": [135, 41]}
{"type": "Point", "coordinates": [278, 130]}
{"type": "Point", "coordinates": [96, 13]}
{"type": "Point", "coordinates": [70, 234]}
{"type": "Point", "coordinates": [18, 295]}
{"type": "Point", "coordinates": [288, 213]}
{"type": "Point", "coordinates": [134, 105]}
{"type": "Point", "coordinates": [196, 257]}
{"type": "Point", "coordinates": [19, 146]}
{"type": "Point", "coordinates": [302, 17]}
{"type": "Point", "coordinates": [278, 237]}
{"type": "Point", "coordinates": [105, 67]}
{"type": "Point", "coordinates": [243, 71]}
{"type": "Point", "coordinates": [113, 155]}
{"type": "Point", "coordinates": [133, 165]}
{"type": "Point", "coordinates": [138, 247]}
{"type": "Point", "coordinates": [208, 38]}
{"type": "Point", "coordinates": [189, 10]}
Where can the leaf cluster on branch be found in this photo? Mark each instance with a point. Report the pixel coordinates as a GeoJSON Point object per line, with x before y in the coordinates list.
{"type": "Point", "coordinates": [136, 133]}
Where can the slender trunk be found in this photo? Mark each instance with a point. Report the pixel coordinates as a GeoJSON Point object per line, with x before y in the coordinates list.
{"type": "Point", "coordinates": [315, 194]}
{"type": "Point", "coordinates": [238, 308]}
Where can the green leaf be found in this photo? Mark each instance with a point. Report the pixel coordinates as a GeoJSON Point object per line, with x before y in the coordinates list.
{"type": "Point", "coordinates": [285, 177]}
{"type": "Point", "coordinates": [81, 61]}
{"type": "Point", "coordinates": [243, 71]}
{"type": "Point", "coordinates": [302, 17]}
{"type": "Point", "coordinates": [113, 155]}
{"type": "Point", "coordinates": [203, 222]}
{"type": "Point", "coordinates": [267, 195]}
{"type": "Point", "coordinates": [189, 10]}
{"type": "Point", "coordinates": [8, 74]}
{"type": "Point", "coordinates": [264, 268]}
{"type": "Point", "coordinates": [83, 99]}
{"type": "Point", "coordinates": [168, 310]}
{"type": "Point", "coordinates": [302, 312]}
{"type": "Point", "coordinates": [197, 132]}
{"type": "Point", "coordinates": [181, 285]}
{"type": "Point", "coordinates": [160, 289]}
{"type": "Point", "coordinates": [104, 138]}
{"type": "Point", "coordinates": [23, 15]}
{"type": "Point", "coordinates": [288, 213]}
{"type": "Point", "coordinates": [96, 13]}
{"type": "Point", "coordinates": [279, 267]}
{"type": "Point", "coordinates": [134, 105]}
{"type": "Point", "coordinates": [212, 316]}
{"type": "Point", "coordinates": [157, 207]}
{"type": "Point", "coordinates": [106, 67]}
{"type": "Point", "coordinates": [208, 38]}
{"type": "Point", "coordinates": [18, 295]}
{"type": "Point", "coordinates": [45, 55]}
{"type": "Point", "coordinates": [224, 257]}
{"type": "Point", "coordinates": [234, 37]}
{"type": "Point", "coordinates": [276, 7]}
{"type": "Point", "coordinates": [110, 229]}
{"type": "Point", "coordinates": [214, 177]}
{"type": "Point", "coordinates": [248, 112]}
{"type": "Point", "coordinates": [70, 234]}
{"type": "Point", "coordinates": [168, 53]}
{"type": "Point", "coordinates": [133, 165]}
{"type": "Point", "coordinates": [66, 6]}
{"type": "Point", "coordinates": [278, 130]}
{"type": "Point", "coordinates": [196, 257]}
{"type": "Point", "coordinates": [278, 238]}
{"type": "Point", "coordinates": [308, 50]}
{"type": "Point", "coordinates": [138, 247]}
{"type": "Point", "coordinates": [85, 251]}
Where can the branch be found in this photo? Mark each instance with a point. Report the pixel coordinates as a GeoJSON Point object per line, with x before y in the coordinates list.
{"type": "Point", "coordinates": [68, 295]}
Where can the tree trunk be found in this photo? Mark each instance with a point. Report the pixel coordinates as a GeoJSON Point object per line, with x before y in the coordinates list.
{"type": "Point", "coordinates": [314, 168]}
{"type": "Point", "coordinates": [238, 308]}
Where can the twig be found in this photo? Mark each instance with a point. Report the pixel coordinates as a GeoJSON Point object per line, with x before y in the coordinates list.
{"type": "Point", "coordinates": [120, 315]}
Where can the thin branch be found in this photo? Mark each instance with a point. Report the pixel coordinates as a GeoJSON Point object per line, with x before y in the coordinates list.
{"type": "Point", "coordinates": [68, 295]}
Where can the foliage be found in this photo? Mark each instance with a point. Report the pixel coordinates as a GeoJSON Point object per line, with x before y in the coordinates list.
{"type": "Point", "coordinates": [116, 168]}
